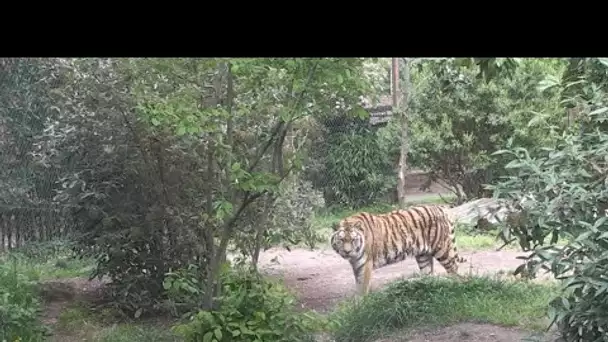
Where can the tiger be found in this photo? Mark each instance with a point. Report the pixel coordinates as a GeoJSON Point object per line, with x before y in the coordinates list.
{"type": "Point", "coordinates": [371, 241]}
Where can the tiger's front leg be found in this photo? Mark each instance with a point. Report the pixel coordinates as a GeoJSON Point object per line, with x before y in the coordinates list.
{"type": "Point", "coordinates": [363, 276]}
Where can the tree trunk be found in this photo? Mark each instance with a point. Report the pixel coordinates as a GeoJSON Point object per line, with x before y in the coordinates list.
{"type": "Point", "coordinates": [401, 109]}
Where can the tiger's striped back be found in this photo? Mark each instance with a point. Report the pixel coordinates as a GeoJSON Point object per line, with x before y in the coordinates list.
{"type": "Point", "coordinates": [371, 241]}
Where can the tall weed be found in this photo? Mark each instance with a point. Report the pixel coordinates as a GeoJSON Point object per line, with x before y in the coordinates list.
{"type": "Point", "coordinates": [19, 306]}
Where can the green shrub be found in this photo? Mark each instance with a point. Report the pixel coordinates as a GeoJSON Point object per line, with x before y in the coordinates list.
{"type": "Point", "coordinates": [19, 306]}
{"type": "Point", "coordinates": [281, 220]}
{"type": "Point", "coordinates": [251, 308]}
{"type": "Point", "coordinates": [184, 289]}
{"type": "Point", "coordinates": [40, 251]}
{"type": "Point", "coordinates": [358, 171]}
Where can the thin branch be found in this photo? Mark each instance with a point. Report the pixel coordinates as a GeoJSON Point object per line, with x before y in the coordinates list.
{"type": "Point", "coordinates": [443, 198]}
{"type": "Point", "coordinates": [506, 244]}
{"type": "Point", "coordinates": [266, 146]}
{"type": "Point", "coordinates": [279, 125]}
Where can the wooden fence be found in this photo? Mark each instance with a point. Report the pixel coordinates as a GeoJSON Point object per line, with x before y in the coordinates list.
{"type": "Point", "coordinates": [22, 225]}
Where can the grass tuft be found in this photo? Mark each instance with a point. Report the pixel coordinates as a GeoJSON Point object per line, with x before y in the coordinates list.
{"type": "Point", "coordinates": [427, 302]}
{"type": "Point", "coordinates": [91, 325]}
{"type": "Point", "coordinates": [135, 333]}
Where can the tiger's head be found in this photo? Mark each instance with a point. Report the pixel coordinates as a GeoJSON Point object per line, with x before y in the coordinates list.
{"type": "Point", "coordinates": [347, 238]}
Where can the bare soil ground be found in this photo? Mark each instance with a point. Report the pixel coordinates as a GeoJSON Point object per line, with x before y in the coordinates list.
{"type": "Point", "coordinates": [471, 332]}
{"type": "Point", "coordinates": [58, 294]}
{"type": "Point", "coordinates": [321, 277]}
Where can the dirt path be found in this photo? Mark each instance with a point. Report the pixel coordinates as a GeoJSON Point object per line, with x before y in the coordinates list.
{"type": "Point", "coordinates": [58, 294]}
{"type": "Point", "coordinates": [321, 278]}
{"type": "Point", "coordinates": [473, 332]}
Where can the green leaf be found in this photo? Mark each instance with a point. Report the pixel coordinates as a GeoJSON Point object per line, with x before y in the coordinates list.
{"type": "Point", "coordinates": [599, 111]}
{"type": "Point", "coordinates": [155, 121]}
{"type": "Point", "coordinates": [218, 334]}
{"type": "Point", "coordinates": [361, 112]}
{"type": "Point", "coordinates": [514, 164]}
{"type": "Point", "coordinates": [549, 82]}
{"type": "Point", "coordinates": [604, 61]}
{"type": "Point", "coordinates": [208, 337]}
{"type": "Point", "coordinates": [537, 119]}
{"type": "Point", "coordinates": [235, 67]}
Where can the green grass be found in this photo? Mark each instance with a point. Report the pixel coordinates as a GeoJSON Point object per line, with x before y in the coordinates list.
{"type": "Point", "coordinates": [427, 302]}
{"type": "Point", "coordinates": [20, 272]}
{"type": "Point", "coordinates": [50, 260]}
{"type": "Point", "coordinates": [83, 323]}
{"type": "Point", "coordinates": [480, 242]}
{"type": "Point", "coordinates": [135, 333]}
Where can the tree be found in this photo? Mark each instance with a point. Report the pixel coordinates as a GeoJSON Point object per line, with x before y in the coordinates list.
{"type": "Point", "coordinates": [402, 111]}
{"type": "Point", "coordinates": [172, 153]}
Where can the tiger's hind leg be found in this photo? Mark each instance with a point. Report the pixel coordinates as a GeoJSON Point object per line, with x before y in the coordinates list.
{"type": "Point", "coordinates": [447, 253]}
{"type": "Point", "coordinates": [449, 259]}
{"type": "Point", "coordinates": [425, 263]}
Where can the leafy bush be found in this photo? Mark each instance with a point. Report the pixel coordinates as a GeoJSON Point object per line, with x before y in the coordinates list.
{"type": "Point", "coordinates": [46, 249]}
{"type": "Point", "coordinates": [290, 218]}
{"type": "Point", "coordinates": [19, 306]}
{"type": "Point", "coordinates": [566, 196]}
{"type": "Point", "coordinates": [184, 288]}
{"type": "Point", "coordinates": [250, 308]}
{"type": "Point", "coordinates": [356, 170]}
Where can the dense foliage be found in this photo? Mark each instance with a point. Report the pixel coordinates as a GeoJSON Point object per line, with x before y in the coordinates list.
{"type": "Point", "coordinates": [562, 192]}
{"type": "Point", "coordinates": [350, 164]}
{"type": "Point", "coordinates": [457, 120]}
{"type": "Point", "coordinates": [165, 161]}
